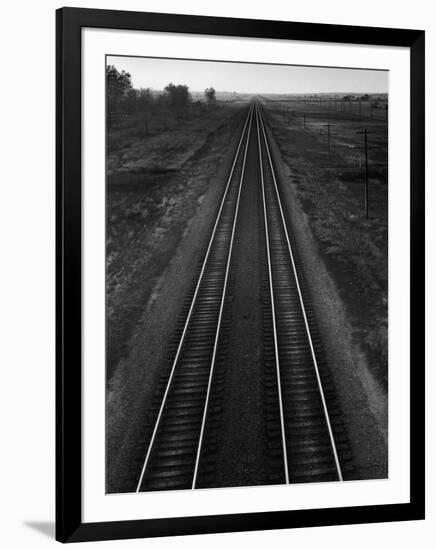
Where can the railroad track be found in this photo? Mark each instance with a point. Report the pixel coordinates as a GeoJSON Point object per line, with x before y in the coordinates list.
{"type": "Point", "coordinates": [306, 437]}
{"type": "Point", "coordinates": [304, 431]}
{"type": "Point", "coordinates": [176, 444]}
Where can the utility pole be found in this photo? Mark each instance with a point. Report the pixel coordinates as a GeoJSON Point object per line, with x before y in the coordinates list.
{"type": "Point", "coordinates": [365, 133]}
{"type": "Point", "coordinates": [366, 176]}
{"type": "Point", "coordinates": [304, 120]}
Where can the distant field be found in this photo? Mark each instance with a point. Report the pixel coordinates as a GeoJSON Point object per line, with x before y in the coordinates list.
{"type": "Point", "coordinates": [338, 129]}
{"type": "Point", "coordinates": [363, 105]}
{"type": "Point", "coordinates": [124, 130]}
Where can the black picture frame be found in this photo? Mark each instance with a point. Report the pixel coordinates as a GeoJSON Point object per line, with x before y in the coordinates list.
{"type": "Point", "coordinates": [69, 525]}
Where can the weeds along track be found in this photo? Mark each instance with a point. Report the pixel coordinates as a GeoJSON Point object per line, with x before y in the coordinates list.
{"type": "Point", "coordinates": [306, 439]}
{"type": "Point", "coordinates": [179, 446]}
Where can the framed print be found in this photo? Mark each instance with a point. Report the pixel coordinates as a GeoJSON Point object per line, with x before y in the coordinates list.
{"type": "Point", "coordinates": [240, 274]}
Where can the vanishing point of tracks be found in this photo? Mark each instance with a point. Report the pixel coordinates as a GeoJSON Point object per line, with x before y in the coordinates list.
{"type": "Point", "coordinates": [304, 430]}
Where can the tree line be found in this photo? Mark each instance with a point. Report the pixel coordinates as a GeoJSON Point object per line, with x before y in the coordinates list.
{"type": "Point", "coordinates": [123, 98]}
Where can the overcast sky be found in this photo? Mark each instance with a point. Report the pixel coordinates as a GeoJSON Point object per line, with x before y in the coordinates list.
{"type": "Point", "coordinates": [249, 78]}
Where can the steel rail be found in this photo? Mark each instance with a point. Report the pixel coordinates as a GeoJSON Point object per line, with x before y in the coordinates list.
{"type": "Point", "coordinates": [179, 347]}
{"type": "Point", "coordinates": [303, 309]}
{"type": "Point", "coordinates": [271, 289]}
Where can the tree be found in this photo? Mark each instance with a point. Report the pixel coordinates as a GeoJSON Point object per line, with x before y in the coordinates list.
{"type": "Point", "coordinates": [144, 99]}
{"type": "Point", "coordinates": [144, 102]}
{"type": "Point", "coordinates": [118, 85]}
{"type": "Point", "coordinates": [130, 101]}
{"type": "Point", "coordinates": [210, 94]}
{"type": "Point", "coordinates": [179, 95]}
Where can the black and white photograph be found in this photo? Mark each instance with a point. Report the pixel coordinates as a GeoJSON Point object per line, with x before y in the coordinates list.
{"type": "Point", "coordinates": [217, 275]}
{"type": "Point", "coordinates": [246, 274]}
